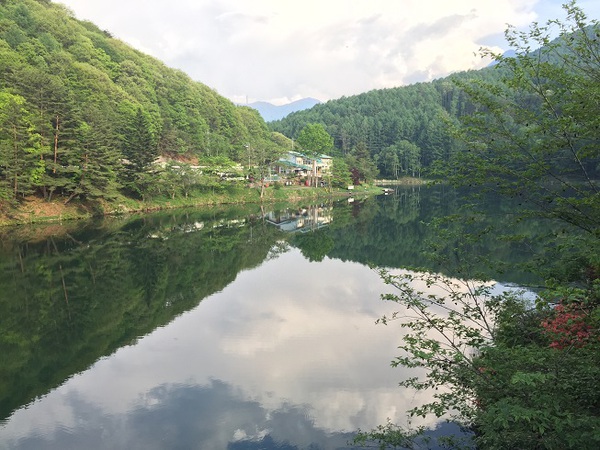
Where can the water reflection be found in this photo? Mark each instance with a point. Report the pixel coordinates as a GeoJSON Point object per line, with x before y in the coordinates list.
{"type": "Point", "coordinates": [214, 416]}
{"type": "Point", "coordinates": [301, 219]}
{"type": "Point", "coordinates": [204, 329]}
{"type": "Point", "coordinates": [288, 350]}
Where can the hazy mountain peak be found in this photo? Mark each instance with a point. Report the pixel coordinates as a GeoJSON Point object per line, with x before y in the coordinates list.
{"type": "Point", "coordinates": [270, 112]}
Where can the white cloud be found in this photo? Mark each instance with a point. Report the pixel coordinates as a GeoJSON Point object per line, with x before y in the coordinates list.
{"type": "Point", "coordinates": [282, 50]}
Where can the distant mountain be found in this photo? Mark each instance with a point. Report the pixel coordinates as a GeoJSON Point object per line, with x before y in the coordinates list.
{"type": "Point", "coordinates": [270, 112]}
{"type": "Point", "coordinates": [507, 54]}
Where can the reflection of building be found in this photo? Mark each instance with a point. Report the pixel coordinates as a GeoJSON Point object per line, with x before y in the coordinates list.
{"type": "Point", "coordinates": [295, 164]}
{"type": "Point", "coordinates": [302, 219]}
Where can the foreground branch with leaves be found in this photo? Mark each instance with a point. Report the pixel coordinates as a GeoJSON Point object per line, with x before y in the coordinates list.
{"type": "Point", "coordinates": [517, 371]}
{"type": "Point", "coordinates": [493, 365]}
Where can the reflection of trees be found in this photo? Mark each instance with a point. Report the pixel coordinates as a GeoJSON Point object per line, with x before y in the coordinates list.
{"type": "Point", "coordinates": [387, 231]}
{"type": "Point", "coordinates": [396, 231]}
{"type": "Point", "coordinates": [314, 246]}
{"type": "Point", "coordinates": [65, 302]}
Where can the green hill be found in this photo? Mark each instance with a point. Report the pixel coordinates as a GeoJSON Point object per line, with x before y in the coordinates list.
{"type": "Point", "coordinates": [404, 128]}
{"type": "Point", "coordinates": [83, 115]}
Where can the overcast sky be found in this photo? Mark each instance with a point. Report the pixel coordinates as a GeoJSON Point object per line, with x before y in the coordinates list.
{"type": "Point", "coordinates": [284, 50]}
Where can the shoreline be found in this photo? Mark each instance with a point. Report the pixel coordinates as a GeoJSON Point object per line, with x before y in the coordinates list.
{"type": "Point", "coordinates": [407, 181]}
{"type": "Point", "coordinates": [34, 210]}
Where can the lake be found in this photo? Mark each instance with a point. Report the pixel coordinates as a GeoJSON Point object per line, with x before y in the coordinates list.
{"type": "Point", "coordinates": [221, 328]}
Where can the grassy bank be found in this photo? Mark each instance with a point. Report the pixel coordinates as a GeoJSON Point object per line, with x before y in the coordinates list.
{"type": "Point", "coordinates": [37, 210]}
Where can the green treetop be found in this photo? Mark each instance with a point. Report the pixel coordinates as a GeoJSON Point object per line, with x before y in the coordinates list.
{"type": "Point", "coordinates": [315, 140]}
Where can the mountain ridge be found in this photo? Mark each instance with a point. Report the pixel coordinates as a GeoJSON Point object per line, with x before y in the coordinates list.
{"type": "Point", "coordinates": [270, 112]}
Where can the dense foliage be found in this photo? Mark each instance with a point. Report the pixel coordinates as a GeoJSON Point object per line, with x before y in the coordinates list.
{"type": "Point", "coordinates": [519, 371]}
{"type": "Point", "coordinates": [403, 130]}
{"type": "Point", "coordinates": [83, 115]}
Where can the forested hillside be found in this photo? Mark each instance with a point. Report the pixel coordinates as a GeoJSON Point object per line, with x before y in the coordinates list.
{"type": "Point", "coordinates": [405, 129]}
{"type": "Point", "coordinates": [83, 115]}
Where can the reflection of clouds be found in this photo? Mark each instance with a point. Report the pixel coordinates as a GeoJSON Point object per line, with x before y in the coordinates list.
{"type": "Point", "coordinates": [192, 417]}
{"type": "Point", "coordinates": [287, 333]}
{"type": "Point", "coordinates": [443, 295]}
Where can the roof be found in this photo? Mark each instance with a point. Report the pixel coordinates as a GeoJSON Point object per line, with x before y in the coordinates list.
{"type": "Point", "coordinates": [287, 162]}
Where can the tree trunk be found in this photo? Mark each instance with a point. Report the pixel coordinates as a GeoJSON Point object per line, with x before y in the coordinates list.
{"type": "Point", "coordinates": [71, 197]}
{"type": "Point", "coordinates": [55, 144]}
{"type": "Point", "coordinates": [16, 150]}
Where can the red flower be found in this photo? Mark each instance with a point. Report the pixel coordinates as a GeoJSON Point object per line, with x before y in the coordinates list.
{"type": "Point", "coordinates": [568, 327]}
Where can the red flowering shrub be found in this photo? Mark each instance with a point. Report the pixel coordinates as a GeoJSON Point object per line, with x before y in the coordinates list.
{"type": "Point", "coordinates": [568, 326]}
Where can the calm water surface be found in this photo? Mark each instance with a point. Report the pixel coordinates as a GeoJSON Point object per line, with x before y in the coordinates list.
{"type": "Point", "coordinates": [213, 329]}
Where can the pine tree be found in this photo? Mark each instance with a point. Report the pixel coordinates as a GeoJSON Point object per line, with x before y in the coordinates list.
{"type": "Point", "coordinates": [140, 151]}
{"type": "Point", "coordinates": [21, 168]}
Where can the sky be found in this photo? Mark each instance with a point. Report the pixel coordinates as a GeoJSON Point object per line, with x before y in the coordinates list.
{"type": "Point", "coordinates": [282, 50]}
